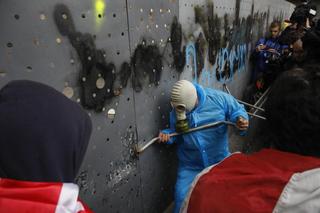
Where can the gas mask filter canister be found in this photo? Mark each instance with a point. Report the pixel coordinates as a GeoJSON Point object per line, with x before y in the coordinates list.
{"type": "Point", "coordinates": [183, 100]}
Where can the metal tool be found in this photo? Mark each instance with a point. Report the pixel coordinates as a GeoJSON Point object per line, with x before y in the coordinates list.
{"type": "Point", "coordinates": [242, 102]}
{"type": "Point", "coordinates": [257, 116]}
{"type": "Point", "coordinates": [217, 123]}
{"type": "Point", "coordinates": [250, 105]}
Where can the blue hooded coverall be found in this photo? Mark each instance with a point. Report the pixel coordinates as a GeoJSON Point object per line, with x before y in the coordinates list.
{"type": "Point", "coordinates": [200, 149]}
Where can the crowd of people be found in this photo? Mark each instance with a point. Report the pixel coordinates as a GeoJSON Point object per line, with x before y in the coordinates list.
{"type": "Point", "coordinates": [291, 44]}
{"type": "Point", "coordinates": [287, 61]}
{"type": "Point", "coordinates": [283, 177]}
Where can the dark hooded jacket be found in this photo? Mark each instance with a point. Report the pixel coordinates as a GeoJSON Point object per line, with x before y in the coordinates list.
{"type": "Point", "coordinates": [43, 139]}
{"type": "Point", "coordinates": [44, 135]}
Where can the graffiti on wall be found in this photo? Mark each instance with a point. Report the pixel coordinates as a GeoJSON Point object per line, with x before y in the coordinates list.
{"type": "Point", "coordinates": [223, 45]}
{"type": "Point", "coordinates": [97, 76]}
{"type": "Point", "coordinates": [176, 43]}
{"type": "Point", "coordinates": [217, 53]}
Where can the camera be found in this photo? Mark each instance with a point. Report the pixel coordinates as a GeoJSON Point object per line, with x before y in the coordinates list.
{"type": "Point", "coordinates": [302, 12]}
{"type": "Point", "coordinates": [271, 57]}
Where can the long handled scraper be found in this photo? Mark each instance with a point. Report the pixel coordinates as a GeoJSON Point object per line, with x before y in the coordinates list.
{"type": "Point", "coordinates": [140, 149]}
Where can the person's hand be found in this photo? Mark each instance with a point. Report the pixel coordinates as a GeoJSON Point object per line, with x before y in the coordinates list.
{"type": "Point", "coordinates": [163, 138]}
{"type": "Point", "coordinates": [242, 123]}
{"type": "Point", "coordinates": [308, 25]}
{"type": "Point", "coordinates": [260, 47]}
{"type": "Point", "coordinates": [272, 50]}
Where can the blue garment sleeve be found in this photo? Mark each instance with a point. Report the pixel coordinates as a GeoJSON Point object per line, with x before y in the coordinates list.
{"type": "Point", "coordinates": [260, 41]}
{"type": "Point", "coordinates": [233, 109]}
{"type": "Point", "coordinates": [171, 129]}
{"type": "Point", "coordinates": [283, 47]}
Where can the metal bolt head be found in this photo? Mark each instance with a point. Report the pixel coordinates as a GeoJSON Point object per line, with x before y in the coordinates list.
{"type": "Point", "coordinates": [111, 113]}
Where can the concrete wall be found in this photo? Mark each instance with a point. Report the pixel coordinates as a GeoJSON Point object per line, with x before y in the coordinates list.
{"type": "Point", "coordinates": [133, 56]}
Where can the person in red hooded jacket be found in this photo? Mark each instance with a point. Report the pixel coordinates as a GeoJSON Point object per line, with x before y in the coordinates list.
{"type": "Point", "coordinates": [43, 140]}
{"type": "Point", "coordinates": [284, 178]}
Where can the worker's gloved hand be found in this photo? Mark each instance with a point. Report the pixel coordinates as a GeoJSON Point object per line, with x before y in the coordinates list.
{"type": "Point", "coordinates": [242, 123]}
{"type": "Point", "coordinates": [163, 137]}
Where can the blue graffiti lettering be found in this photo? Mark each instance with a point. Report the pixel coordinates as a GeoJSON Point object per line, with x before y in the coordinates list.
{"type": "Point", "coordinates": [228, 63]}
{"type": "Point", "coordinates": [191, 54]}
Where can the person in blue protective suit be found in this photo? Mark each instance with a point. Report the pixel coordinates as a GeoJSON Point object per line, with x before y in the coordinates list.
{"type": "Point", "coordinates": [266, 55]}
{"type": "Point", "coordinates": [195, 106]}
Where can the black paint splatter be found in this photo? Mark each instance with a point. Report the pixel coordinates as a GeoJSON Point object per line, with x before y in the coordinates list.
{"type": "Point", "coordinates": [218, 75]}
{"type": "Point", "coordinates": [200, 51]}
{"type": "Point", "coordinates": [125, 74]}
{"type": "Point", "coordinates": [94, 65]}
{"type": "Point", "coordinates": [235, 66]}
{"type": "Point", "coordinates": [176, 41]}
{"type": "Point", "coordinates": [243, 31]}
{"type": "Point", "coordinates": [146, 62]}
{"type": "Point", "coordinates": [214, 37]}
{"type": "Point", "coordinates": [227, 31]}
{"type": "Point", "coordinates": [249, 26]}
{"type": "Point", "coordinates": [202, 19]}
{"type": "Point", "coordinates": [237, 15]}
{"type": "Point", "coordinates": [268, 15]}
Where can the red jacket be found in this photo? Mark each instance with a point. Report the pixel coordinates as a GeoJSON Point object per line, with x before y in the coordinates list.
{"type": "Point", "coordinates": [25, 196]}
{"type": "Point", "coordinates": [267, 181]}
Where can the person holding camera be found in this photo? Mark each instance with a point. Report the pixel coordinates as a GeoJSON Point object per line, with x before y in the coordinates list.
{"type": "Point", "coordinates": [268, 50]}
{"type": "Point", "coordinates": [302, 37]}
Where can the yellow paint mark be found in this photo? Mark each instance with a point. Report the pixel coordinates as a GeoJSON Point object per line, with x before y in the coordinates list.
{"type": "Point", "coordinates": [99, 8]}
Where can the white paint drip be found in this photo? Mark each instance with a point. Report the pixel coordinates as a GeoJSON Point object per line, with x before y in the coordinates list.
{"type": "Point", "coordinates": [120, 174]}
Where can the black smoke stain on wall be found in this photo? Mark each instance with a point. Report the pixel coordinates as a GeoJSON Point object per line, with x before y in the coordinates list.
{"type": "Point", "coordinates": [214, 38]}
{"type": "Point", "coordinates": [125, 74]}
{"type": "Point", "coordinates": [242, 31]}
{"type": "Point", "coordinates": [179, 58]}
{"type": "Point", "coordinates": [146, 62]}
{"type": "Point", "coordinates": [249, 26]}
{"type": "Point", "coordinates": [268, 16]}
{"type": "Point", "coordinates": [202, 19]}
{"type": "Point", "coordinates": [200, 51]}
{"type": "Point", "coordinates": [96, 75]}
{"type": "Point", "coordinates": [227, 31]}
{"type": "Point", "coordinates": [237, 28]}
{"type": "Point", "coordinates": [259, 25]}
{"type": "Point", "coordinates": [218, 76]}
{"type": "Point", "coordinates": [237, 14]}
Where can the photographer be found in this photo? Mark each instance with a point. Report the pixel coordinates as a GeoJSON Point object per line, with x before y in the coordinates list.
{"type": "Point", "coordinates": [302, 37]}
{"type": "Point", "coordinates": [303, 15]}
{"type": "Point", "coordinates": [267, 52]}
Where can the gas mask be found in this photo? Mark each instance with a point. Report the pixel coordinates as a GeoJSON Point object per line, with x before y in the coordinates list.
{"type": "Point", "coordinates": [183, 100]}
